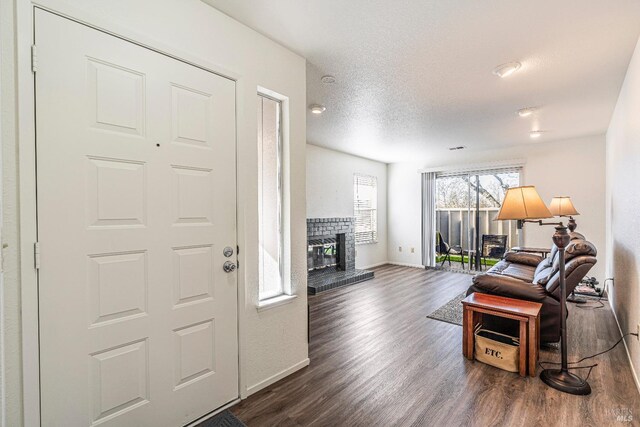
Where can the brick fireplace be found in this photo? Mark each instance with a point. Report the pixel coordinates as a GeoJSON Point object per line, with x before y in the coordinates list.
{"type": "Point", "coordinates": [331, 254]}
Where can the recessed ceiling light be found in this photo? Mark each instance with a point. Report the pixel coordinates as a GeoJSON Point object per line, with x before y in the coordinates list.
{"type": "Point", "coordinates": [505, 70]}
{"type": "Point", "coordinates": [317, 108]}
{"type": "Point", "coordinates": [328, 79]}
{"type": "Point", "coordinates": [536, 133]}
{"type": "Point", "coordinates": [526, 112]}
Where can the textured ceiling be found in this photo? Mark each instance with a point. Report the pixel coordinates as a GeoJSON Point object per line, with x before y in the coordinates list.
{"type": "Point", "coordinates": [415, 77]}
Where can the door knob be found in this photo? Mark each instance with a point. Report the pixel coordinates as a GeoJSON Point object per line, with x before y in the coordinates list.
{"type": "Point", "coordinates": [229, 267]}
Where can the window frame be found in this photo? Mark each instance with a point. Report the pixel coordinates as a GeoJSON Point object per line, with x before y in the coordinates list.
{"type": "Point", "coordinates": [506, 168]}
{"type": "Point", "coordinates": [277, 297]}
{"type": "Point", "coordinates": [374, 231]}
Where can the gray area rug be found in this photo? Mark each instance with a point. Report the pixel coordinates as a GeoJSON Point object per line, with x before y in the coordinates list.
{"type": "Point", "coordinates": [451, 312]}
{"type": "Point", "coordinates": [223, 419]}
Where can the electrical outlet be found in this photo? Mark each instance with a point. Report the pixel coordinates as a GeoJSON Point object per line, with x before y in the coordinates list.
{"type": "Point", "coordinates": [413, 250]}
{"type": "Point", "coordinates": [399, 248]}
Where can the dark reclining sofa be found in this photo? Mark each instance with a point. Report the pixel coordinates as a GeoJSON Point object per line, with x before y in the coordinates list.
{"type": "Point", "coordinates": [530, 277]}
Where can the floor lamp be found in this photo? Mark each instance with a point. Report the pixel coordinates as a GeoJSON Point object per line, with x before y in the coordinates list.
{"type": "Point", "coordinates": [562, 206]}
{"type": "Point", "coordinates": [525, 205]}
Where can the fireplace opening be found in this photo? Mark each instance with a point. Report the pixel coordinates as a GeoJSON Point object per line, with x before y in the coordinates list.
{"type": "Point", "coordinates": [331, 254]}
{"type": "Point", "coordinates": [323, 252]}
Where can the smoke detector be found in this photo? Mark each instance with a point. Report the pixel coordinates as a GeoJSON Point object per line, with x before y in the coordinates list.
{"type": "Point", "coordinates": [328, 80]}
{"type": "Point", "coordinates": [505, 70]}
{"type": "Point", "coordinates": [317, 108]}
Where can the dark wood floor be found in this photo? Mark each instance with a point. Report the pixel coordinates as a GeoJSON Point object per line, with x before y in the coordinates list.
{"type": "Point", "coordinates": [377, 360]}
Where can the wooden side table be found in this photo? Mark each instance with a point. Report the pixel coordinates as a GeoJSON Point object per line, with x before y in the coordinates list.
{"type": "Point", "coordinates": [527, 313]}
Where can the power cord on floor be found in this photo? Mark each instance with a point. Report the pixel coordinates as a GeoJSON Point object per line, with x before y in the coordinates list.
{"type": "Point", "coordinates": [573, 367]}
{"type": "Point", "coordinates": [590, 367]}
{"type": "Point", "coordinates": [599, 300]}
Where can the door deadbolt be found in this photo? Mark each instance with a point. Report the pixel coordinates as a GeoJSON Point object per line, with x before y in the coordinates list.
{"type": "Point", "coordinates": [228, 251]}
{"type": "Point", "coordinates": [229, 267]}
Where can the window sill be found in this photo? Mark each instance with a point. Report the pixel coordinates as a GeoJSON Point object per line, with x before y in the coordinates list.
{"type": "Point", "coordinates": [367, 243]}
{"type": "Point", "coordinates": [275, 302]}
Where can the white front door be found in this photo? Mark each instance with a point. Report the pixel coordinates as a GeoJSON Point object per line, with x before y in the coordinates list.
{"type": "Point", "coordinates": [136, 182]}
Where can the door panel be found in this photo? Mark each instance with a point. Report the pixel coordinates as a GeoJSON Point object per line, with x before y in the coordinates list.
{"type": "Point", "coordinates": [136, 201]}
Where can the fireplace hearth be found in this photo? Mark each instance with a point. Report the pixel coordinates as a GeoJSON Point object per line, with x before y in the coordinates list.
{"type": "Point", "coordinates": [331, 260]}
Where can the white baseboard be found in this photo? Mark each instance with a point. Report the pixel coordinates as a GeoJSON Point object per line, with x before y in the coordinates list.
{"type": "Point", "coordinates": [633, 370]}
{"type": "Point", "coordinates": [378, 264]}
{"type": "Point", "coordinates": [406, 264]}
{"type": "Point", "coordinates": [277, 377]}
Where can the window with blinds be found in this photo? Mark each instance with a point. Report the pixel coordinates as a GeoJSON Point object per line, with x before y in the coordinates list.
{"type": "Point", "coordinates": [365, 208]}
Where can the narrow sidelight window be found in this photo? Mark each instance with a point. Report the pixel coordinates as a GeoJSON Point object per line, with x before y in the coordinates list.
{"type": "Point", "coordinates": [365, 208]}
{"type": "Point", "coordinates": [270, 197]}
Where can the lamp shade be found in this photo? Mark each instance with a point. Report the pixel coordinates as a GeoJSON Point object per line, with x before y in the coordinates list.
{"type": "Point", "coordinates": [523, 203]}
{"type": "Point", "coordinates": [562, 206]}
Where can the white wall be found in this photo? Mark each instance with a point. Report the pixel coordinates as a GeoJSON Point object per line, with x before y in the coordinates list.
{"type": "Point", "coordinates": [330, 194]}
{"type": "Point", "coordinates": [574, 168]}
{"type": "Point", "coordinates": [10, 292]}
{"type": "Point", "coordinates": [623, 207]}
{"type": "Point", "coordinates": [405, 227]}
{"type": "Point", "coordinates": [272, 342]}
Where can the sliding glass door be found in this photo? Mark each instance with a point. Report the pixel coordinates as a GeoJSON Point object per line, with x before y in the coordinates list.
{"type": "Point", "coordinates": [465, 205]}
